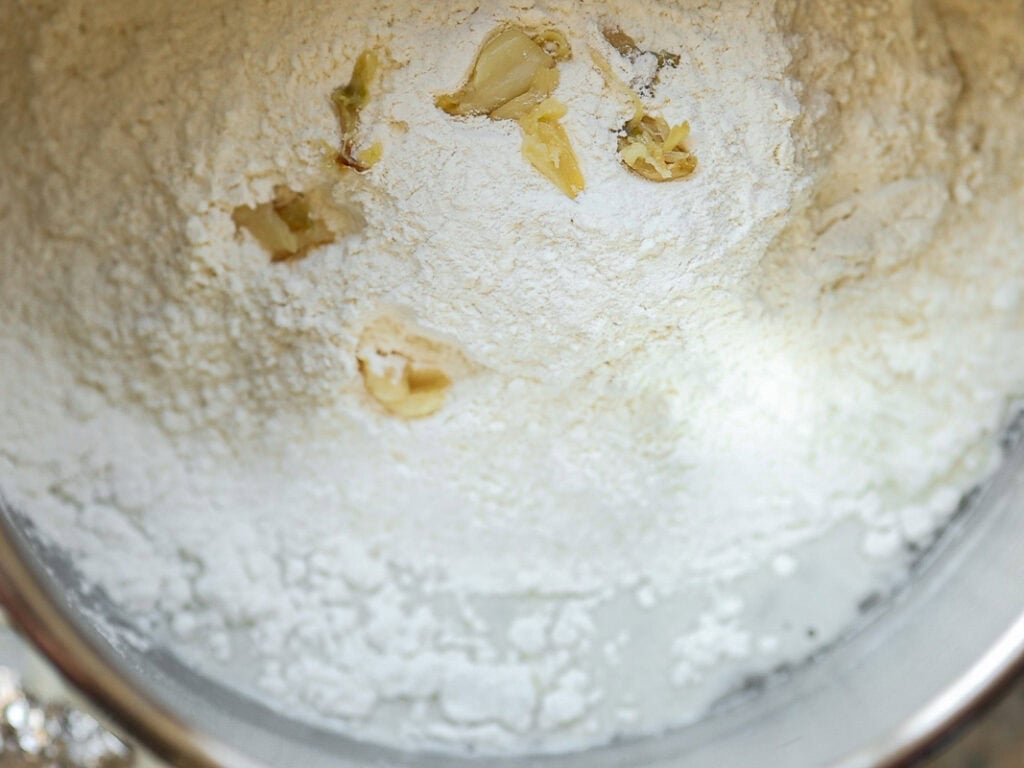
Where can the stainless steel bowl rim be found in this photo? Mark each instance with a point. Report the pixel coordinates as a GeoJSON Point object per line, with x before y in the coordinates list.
{"type": "Point", "coordinates": [92, 668]}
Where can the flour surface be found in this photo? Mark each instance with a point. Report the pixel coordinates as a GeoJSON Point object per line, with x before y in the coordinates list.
{"type": "Point", "coordinates": [690, 427]}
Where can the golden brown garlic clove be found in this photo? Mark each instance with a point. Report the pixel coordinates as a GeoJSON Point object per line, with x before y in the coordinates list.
{"type": "Point", "coordinates": [513, 78]}
{"type": "Point", "coordinates": [286, 226]}
{"type": "Point", "coordinates": [547, 147]}
{"type": "Point", "coordinates": [506, 67]}
{"type": "Point", "coordinates": [656, 151]}
{"type": "Point", "coordinates": [404, 388]}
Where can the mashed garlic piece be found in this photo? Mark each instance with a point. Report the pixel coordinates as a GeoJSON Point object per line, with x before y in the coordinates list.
{"type": "Point", "coordinates": [660, 418]}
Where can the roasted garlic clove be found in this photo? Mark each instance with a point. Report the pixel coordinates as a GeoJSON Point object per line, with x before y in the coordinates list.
{"type": "Point", "coordinates": [286, 226]}
{"type": "Point", "coordinates": [544, 84]}
{"type": "Point", "coordinates": [547, 147]}
{"type": "Point", "coordinates": [402, 387]}
{"type": "Point", "coordinates": [506, 67]}
{"type": "Point", "coordinates": [652, 149]}
{"type": "Point", "coordinates": [513, 78]}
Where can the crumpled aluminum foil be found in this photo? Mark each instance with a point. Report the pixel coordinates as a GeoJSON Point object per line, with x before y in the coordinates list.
{"type": "Point", "coordinates": [35, 734]}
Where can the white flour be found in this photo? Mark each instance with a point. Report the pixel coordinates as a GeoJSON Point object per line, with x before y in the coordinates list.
{"type": "Point", "coordinates": [689, 421]}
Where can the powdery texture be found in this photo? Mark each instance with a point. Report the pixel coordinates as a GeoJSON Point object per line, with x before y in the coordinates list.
{"type": "Point", "coordinates": [670, 402]}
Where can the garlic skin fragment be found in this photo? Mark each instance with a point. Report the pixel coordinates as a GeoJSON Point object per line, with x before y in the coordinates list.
{"type": "Point", "coordinates": [348, 101]}
{"type": "Point", "coordinates": [628, 48]}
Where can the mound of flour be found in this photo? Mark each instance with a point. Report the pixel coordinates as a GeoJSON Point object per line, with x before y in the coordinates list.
{"type": "Point", "coordinates": [691, 426]}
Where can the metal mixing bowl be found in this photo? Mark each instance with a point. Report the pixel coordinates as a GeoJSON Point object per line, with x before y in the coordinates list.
{"type": "Point", "coordinates": [922, 663]}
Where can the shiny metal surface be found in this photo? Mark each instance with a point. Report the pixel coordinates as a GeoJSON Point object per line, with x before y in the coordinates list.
{"type": "Point", "coordinates": [922, 664]}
